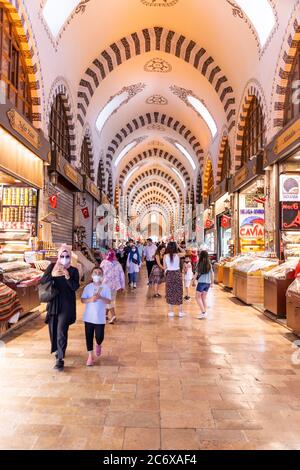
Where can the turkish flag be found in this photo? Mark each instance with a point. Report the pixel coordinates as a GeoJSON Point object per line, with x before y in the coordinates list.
{"type": "Point", "coordinates": [225, 221]}
{"type": "Point", "coordinates": [209, 224]}
{"type": "Point", "coordinates": [85, 212]}
{"type": "Point", "coordinates": [53, 201]}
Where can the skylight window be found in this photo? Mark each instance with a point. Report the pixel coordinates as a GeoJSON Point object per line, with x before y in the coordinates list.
{"type": "Point", "coordinates": [56, 13]}
{"type": "Point", "coordinates": [201, 109]}
{"type": "Point", "coordinates": [125, 151]}
{"type": "Point", "coordinates": [179, 176]}
{"type": "Point", "coordinates": [186, 154]}
{"type": "Point", "coordinates": [109, 109]}
{"type": "Point", "coordinates": [261, 15]}
{"type": "Point", "coordinates": [130, 175]}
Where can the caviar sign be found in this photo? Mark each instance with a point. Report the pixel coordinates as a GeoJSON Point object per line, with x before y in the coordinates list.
{"type": "Point", "coordinates": [290, 188]}
{"type": "Point", "coordinates": [290, 215]}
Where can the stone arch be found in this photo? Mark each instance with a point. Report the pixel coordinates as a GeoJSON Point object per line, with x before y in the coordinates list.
{"type": "Point", "coordinates": [158, 195]}
{"type": "Point", "coordinates": [155, 39]}
{"type": "Point", "coordinates": [207, 175]}
{"type": "Point", "coordinates": [101, 176]}
{"type": "Point", "coordinates": [283, 69]}
{"type": "Point", "coordinates": [199, 190]}
{"type": "Point", "coordinates": [28, 46]}
{"type": "Point", "coordinates": [155, 152]}
{"type": "Point", "coordinates": [156, 173]}
{"type": "Point", "coordinates": [153, 185]}
{"type": "Point", "coordinates": [151, 118]}
{"type": "Point", "coordinates": [60, 87]}
{"type": "Point", "coordinates": [253, 89]}
{"type": "Point", "coordinates": [88, 136]}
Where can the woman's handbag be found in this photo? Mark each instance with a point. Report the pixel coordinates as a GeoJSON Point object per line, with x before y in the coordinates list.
{"type": "Point", "coordinates": [47, 292]}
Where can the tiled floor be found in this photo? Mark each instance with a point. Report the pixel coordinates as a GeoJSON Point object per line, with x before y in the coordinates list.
{"type": "Point", "coordinates": [228, 382]}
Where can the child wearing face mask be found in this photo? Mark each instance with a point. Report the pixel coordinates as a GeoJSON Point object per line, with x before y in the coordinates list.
{"type": "Point", "coordinates": [133, 266]}
{"type": "Point", "coordinates": [95, 296]}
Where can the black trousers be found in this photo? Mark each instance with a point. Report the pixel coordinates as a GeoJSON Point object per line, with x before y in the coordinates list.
{"type": "Point", "coordinates": [93, 331]}
{"type": "Point", "coordinates": [149, 265]}
{"type": "Point", "coordinates": [58, 330]}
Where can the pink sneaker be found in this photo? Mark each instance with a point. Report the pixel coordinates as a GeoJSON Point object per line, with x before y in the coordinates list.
{"type": "Point", "coordinates": [98, 350]}
{"type": "Point", "coordinates": [90, 362]}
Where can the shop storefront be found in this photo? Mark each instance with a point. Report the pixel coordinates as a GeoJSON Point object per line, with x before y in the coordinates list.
{"type": "Point", "coordinates": [89, 202]}
{"type": "Point", "coordinates": [23, 153]}
{"type": "Point", "coordinates": [223, 221]}
{"type": "Point", "coordinates": [65, 183]}
{"type": "Point", "coordinates": [249, 188]}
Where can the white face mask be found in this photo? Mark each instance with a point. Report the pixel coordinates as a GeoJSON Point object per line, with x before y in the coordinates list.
{"type": "Point", "coordinates": [64, 261]}
{"type": "Point", "coordinates": [97, 279]}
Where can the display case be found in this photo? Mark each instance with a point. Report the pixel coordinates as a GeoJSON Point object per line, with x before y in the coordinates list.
{"type": "Point", "coordinates": [276, 283]}
{"type": "Point", "coordinates": [248, 279]}
{"type": "Point", "coordinates": [291, 245]}
{"type": "Point", "coordinates": [293, 306]}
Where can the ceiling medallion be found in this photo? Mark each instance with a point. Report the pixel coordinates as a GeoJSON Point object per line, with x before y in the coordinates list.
{"type": "Point", "coordinates": [157, 99]}
{"type": "Point", "coordinates": [158, 65]}
{"type": "Point", "coordinates": [156, 127]}
{"type": "Point", "coordinates": [159, 3]}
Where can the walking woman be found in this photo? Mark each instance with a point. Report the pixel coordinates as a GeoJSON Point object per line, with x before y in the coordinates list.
{"type": "Point", "coordinates": [114, 278]}
{"type": "Point", "coordinates": [157, 276]}
{"type": "Point", "coordinates": [205, 278]}
{"type": "Point", "coordinates": [174, 288]}
{"type": "Point", "coordinates": [61, 311]}
{"type": "Point", "coordinates": [95, 296]}
{"type": "Point", "coordinates": [133, 266]}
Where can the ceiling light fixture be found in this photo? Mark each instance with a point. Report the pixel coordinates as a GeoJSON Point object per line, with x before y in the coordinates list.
{"type": "Point", "coordinates": [201, 109]}
{"type": "Point", "coordinates": [56, 15]}
{"type": "Point", "coordinates": [124, 152]}
{"type": "Point", "coordinates": [186, 154]}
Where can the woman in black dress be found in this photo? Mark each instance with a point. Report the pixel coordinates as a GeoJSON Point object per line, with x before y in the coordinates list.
{"type": "Point", "coordinates": [61, 311]}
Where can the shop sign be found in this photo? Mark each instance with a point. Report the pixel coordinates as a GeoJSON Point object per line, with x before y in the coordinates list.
{"type": "Point", "coordinates": [220, 190]}
{"type": "Point", "coordinates": [25, 130]}
{"type": "Point", "coordinates": [240, 177]}
{"type": "Point", "coordinates": [290, 215]}
{"type": "Point", "coordinates": [286, 140]}
{"type": "Point", "coordinates": [92, 189]}
{"type": "Point", "coordinates": [289, 188]}
{"type": "Point", "coordinates": [69, 172]}
{"type": "Point", "coordinates": [252, 223]}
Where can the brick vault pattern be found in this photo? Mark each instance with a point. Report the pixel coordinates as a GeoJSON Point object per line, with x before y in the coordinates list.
{"type": "Point", "coordinates": [160, 197]}
{"type": "Point", "coordinates": [223, 143]}
{"type": "Point", "coordinates": [161, 190]}
{"type": "Point", "coordinates": [251, 91]}
{"type": "Point", "coordinates": [151, 118]}
{"type": "Point", "coordinates": [165, 190]}
{"type": "Point", "coordinates": [60, 88]}
{"type": "Point", "coordinates": [155, 39]}
{"type": "Point", "coordinates": [155, 172]}
{"type": "Point", "coordinates": [155, 153]}
{"type": "Point", "coordinates": [284, 66]}
{"type": "Point", "coordinates": [29, 50]}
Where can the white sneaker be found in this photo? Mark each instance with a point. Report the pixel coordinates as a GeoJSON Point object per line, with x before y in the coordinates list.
{"type": "Point", "coordinates": [134, 286]}
{"type": "Point", "coordinates": [131, 285]}
{"type": "Point", "coordinates": [171, 314]}
{"type": "Point", "coordinates": [181, 314]}
{"type": "Point", "coordinates": [201, 316]}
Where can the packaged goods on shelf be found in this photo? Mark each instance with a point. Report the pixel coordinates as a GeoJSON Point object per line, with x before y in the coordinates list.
{"type": "Point", "coordinates": [283, 271]}
{"type": "Point", "coordinates": [294, 287]}
{"type": "Point", "coordinates": [13, 266]}
{"type": "Point", "coordinates": [30, 274]}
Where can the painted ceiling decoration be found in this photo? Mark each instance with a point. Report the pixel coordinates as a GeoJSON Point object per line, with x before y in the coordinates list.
{"type": "Point", "coordinates": [156, 127]}
{"type": "Point", "coordinates": [159, 3]}
{"type": "Point", "coordinates": [156, 173]}
{"type": "Point", "coordinates": [191, 100]}
{"type": "Point", "coordinates": [144, 121]}
{"type": "Point", "coordinates": [155, 143]}
{"type": "Point", "coordinates": [147, 194]}
{"type": "Point", "coordinates": [157, 99]}
{"type": "Point", "coordinates": [162, 39]}
{"type": "Point", "coordinates": [116, 102]}
{"type": "Point", "coordinates": [161, 188]}
{"type": "Point", "coordinates": [158, 65]}
{"type": "Point", "coordinates": [260, 15]}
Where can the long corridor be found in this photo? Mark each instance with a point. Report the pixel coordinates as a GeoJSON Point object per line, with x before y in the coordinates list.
{"type": "Point", "coordinates": [228, 382]}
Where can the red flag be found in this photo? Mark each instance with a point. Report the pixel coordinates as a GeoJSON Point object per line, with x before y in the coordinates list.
{"type": "Point", "coordinates": [53, 201]}
{"type": "Point", "coordinates": [85, 212]}
{"type": "Point", "coordinates": [225, 221]}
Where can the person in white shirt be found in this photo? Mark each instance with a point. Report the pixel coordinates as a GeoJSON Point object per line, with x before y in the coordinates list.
{"type": "Point", "coordinates": [95, 296]}
{"type": "Point", "coordinates": [149, 255]}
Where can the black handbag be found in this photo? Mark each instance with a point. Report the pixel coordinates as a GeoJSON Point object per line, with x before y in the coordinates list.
{"type": "Point", "coordinates": [47, 292]}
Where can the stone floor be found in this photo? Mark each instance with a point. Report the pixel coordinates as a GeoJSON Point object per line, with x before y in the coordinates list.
{"type": "Point", "coordinates": [229, 382]}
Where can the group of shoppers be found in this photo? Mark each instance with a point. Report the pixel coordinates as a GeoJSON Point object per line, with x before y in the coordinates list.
{"type": "Point", "coordinates": [169, 264]}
